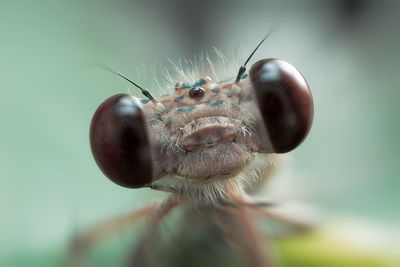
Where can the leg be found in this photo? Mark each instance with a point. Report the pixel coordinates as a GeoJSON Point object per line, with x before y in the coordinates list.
{"type": "Point", "coordinates": [140, 254]}
{"type": "Point", "coordinates": [84, 242]}
{"type": "Point", "coordinates": [294, 215]}
{"type": "Point", "coordinates": [298, 216]}
{"type": "Point", "coordinates": [242, 232]}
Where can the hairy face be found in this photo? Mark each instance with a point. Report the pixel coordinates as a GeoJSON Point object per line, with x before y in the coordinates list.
{"type": "Point", "coordinates": [208, 130]}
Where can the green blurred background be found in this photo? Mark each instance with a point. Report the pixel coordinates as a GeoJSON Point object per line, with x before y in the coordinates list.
{"type": "Point", "coordinates": [50, 186]}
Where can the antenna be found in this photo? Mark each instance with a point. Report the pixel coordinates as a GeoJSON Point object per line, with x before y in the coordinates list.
{"type": "Point", "coordinates": [242, 69]}
{"type": "Point", "coordinates": [145, 92]}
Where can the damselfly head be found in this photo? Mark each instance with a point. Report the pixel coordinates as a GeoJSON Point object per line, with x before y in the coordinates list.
{"type": "Point", "coordinates": [207, 131]}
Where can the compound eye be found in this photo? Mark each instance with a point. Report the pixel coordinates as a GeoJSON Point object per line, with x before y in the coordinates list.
{"type": "Point", "coordinates": [119, 141]}
{"type": "Point", "coordinates": [285, 102]}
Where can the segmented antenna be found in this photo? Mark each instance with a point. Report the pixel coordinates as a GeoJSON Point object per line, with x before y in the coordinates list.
{"type": "Point", "coordinates": [242, 69]}
{"type": "Point", "coordinates": [145, 92]}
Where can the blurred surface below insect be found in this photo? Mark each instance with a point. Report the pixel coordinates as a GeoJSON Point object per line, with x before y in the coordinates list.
{"type": "Point", "coordinates": [204, 144]}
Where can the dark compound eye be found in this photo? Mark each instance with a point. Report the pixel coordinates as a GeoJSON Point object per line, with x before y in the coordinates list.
{"type": "Point", "coordinates": [285, 102]}
{"type": "Point", "coordinates": [119, 141]}
{"type": "Point", "coordinates": [196, 92]}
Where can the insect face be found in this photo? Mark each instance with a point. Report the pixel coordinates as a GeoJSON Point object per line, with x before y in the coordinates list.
{"type": "Point", "coordinates": [206, 131]}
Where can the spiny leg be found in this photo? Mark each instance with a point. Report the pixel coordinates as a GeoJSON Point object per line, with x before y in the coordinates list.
{"type": "Point", "coordinates": [84, 242]}
{"type": "Point", "coordinates": [297, 216]}
{"type": "Point", "coordinates": [257, 253]}
{"type": "Point", "coordinates": [227, 219]}
{"type": "Point", "coordinates": [243, 236]}
{"type": "Point", "coordinates": [140, 256]}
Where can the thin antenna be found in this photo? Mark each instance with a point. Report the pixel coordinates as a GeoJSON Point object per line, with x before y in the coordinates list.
{"type": "Point", "coordinates": [145, 92]}
{"type": "Point", "coordinates": [242, 69]}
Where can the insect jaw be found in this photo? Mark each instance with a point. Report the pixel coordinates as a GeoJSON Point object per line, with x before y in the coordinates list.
{"type": "Point", "coordinates": [203, 187]}
{"type": "Point", "coordinates": [217, 187]}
